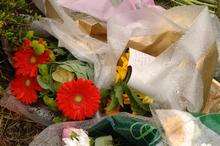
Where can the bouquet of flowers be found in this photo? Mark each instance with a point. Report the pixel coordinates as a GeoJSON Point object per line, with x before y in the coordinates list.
{"type": "Point", "coordinates": [48, 74]}
{"type": "Point", "coordinates": [155, 63]}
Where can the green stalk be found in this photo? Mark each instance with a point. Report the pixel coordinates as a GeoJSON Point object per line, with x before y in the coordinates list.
{"type": "Point", "coordinates": [201, 3]}
{"type": "Point", "coordinates": [188, 2]}
{"type": "Point", "coordinates": [209, 1]}
{"type": "Point", "coordinates": [218, 9]}
{"type": "Point", "coordinates": [181, 3]}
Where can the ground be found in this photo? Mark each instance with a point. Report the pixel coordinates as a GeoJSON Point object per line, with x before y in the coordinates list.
{"type": "Point", "coordinates": [16, 130]}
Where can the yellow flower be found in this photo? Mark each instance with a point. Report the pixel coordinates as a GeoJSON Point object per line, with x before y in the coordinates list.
{"type": "Point", "coordinates": [42, 41]}
{"type": "Point", "coordinates": [122, 67]}
{"type": "Point", "coordinates": [120, 73]}
{"type": "Point", "coordinates": [124, 62]}
{"type": "Point", "coordinates": [145, 99]}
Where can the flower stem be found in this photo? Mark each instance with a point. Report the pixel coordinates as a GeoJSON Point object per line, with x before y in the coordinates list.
{"type": "Point", "coordinates": [218, 9]}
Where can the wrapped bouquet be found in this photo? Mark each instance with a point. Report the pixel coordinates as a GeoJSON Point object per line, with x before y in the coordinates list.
{"type": "Point", "coordinates": [155, 64]}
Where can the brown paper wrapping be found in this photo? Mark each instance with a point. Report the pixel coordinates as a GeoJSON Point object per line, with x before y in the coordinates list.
{"type": "Point", "coordinates": [94, 28]}
{"type": "Point", "coordinates": [152, 45]}
{"type": "Point", "coordinates": [156, 44]}
{"type": "Point", "coordinates": [212, 104]}
{"type": "Point", "coordinates": [50, 12]}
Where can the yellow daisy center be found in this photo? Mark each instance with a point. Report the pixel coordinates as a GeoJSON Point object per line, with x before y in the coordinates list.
{"type": "Point", "coordinates": [33, 59]}
{"type": "Point", "coordinates": [78, 98]}
{"type": "Point", "coordinates": [27, 83]}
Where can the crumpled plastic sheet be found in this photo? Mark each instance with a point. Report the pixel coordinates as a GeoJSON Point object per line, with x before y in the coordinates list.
{"type": "Point", "coordinates": [38, 113]}
{"type": "Point", "coordinates": [105, 9]}
{"type": "Point", "coordinates": [182, 128]}
{"type": "Point", "coordinates": [52, 135]}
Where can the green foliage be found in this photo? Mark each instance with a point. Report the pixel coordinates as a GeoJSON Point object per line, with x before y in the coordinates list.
{"type": "Point", "coordinates": [38, 48]}
{"type": "Point", "coordinates": [29, 35]}
{"type": "Point", "coordinates": [211, 4]}
{"type": "Point", "coordinates": [116, 94]}
{"type": "Point", "coordinates": [44, 78]}
{"type": "Point", "coordinates": [136, 104]}
{"type": "Point", "coordinates": [118, 90]}
{"type": "Point", "coordinates": [114, 102]}
{"type": "Point", "coordinates": [16, 17]}
{"type": "Point", "coordinates": [81, 69]}
{"type": "Point", "coordinates": [59, 119]}
{"type": "Point", "coordinates": [61, 75]}
{"type": "Point", "coordinates": [50, 102]}
{"type": "Point", "coordinates": [218, 9]}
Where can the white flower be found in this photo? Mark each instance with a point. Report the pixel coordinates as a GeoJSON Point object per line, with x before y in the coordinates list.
{"type": "Point", "coordinates": [75, 137]}
{"type": "Point", "coordinates": [206, 144]}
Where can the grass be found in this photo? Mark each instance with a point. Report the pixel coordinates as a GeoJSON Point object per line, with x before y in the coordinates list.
{"type": "Point", "coordinates": [15, 130]}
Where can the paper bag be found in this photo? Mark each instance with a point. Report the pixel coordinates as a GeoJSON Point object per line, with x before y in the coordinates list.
{"type": "Point", "coordinates": [213, 102]}
{"type": "Point", "coordinates": [180, 76]}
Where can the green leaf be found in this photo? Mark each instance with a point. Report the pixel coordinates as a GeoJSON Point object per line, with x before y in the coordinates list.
{"type": "Point", "coordinates": [128, 75]}
{"type": "Point", "coordinates": [114, 103]}
{"type": "Point", "coordinates": [218, 9]}
{"type": "Point", "coordinates": [105, 92]}
{"type": "Point", "coordinates": [136, 104]}
{"type": "Point", "coordinates": [56, 85]}
{"type": "Point", "coordinates": [38, 48]}
{"type": "Point", "coordinates": [45, 78]}
{"type": "Point", "coordinates": [61, 75]}
{"type": "Point", "coordinates": [57, 119]}
{"type": "Point", "coordinates": [50, 103]}
{"type": "Point", "coordinates": [43, 69]}
{"type": "Point", "coordinates": [81, 69]}
{"type": "Point", "coordinates": [29, 35]}
{"type": "Point", "coordinates": [118, 93]}
{"type": "Point", "coordinates": [104, 141]}
{"type": "Point", "coordinates": [43, 82]}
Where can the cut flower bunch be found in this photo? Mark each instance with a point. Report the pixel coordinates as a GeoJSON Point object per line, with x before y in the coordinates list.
{"type": "Point", "coordinates": [58, 84]}
{"type": "Point", "coordinates": [122, 98]}
{"type": "Point", "coordinates": [45, 73]}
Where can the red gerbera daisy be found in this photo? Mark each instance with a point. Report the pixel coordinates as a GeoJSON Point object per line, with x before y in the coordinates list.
{"type": "Point", "coordinates": [26, 61]}
{"type": "Point", "coordinates": [25, 89]}
{"type": "Point", "coordinates": [26, 43]}
{"type": "Point", "coordinates": [78, 99]}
